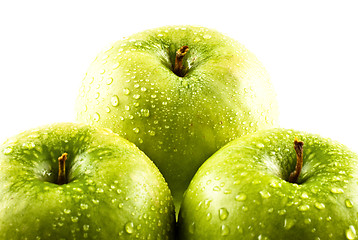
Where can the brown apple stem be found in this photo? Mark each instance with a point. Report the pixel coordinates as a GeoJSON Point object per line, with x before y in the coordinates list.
{"type": "Point", "coordinates": [178, 67]}
{"type": "Point", "coordinates": [299, 154]}
{"type": "Point", "coordinates": [62, 169]}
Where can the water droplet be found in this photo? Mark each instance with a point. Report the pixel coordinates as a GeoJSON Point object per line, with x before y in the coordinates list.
{"type": "Point", "coordinates": [126, 91]}
{"type": "Point", "coordinates": [145, 112]}
{"type": "Point", "coordinates": [129, 227]}
{"type": "Point", "coordinates": [225, 230]}
{"type": "Point", "coordinates": [337, 190]}
{"type": "Point", "coordinates": [115, 101]}
{"type": "Point", "coordinates": [303, 208]}
{"type": "Point", "coordinates": [192, 228]}
{"type": "Point", "coordinates": [96, 117]}
{"type": "Point", "coordinates": [109, 81]}
{"type": "Point", "coordinates": [84, 206]}
{"type": "Point", "coordinates": [151, 133]}
{"type": "Point", "coordinates": [85, 227]}
{"type": "Point", "coordinates": [136, 96]}
{"type": "Point", "coordinates": [8, 150]}
{"type": "Point", "coordinates": [241, 197]}
{"type": "Point", "coordinates": [67, 211]}
{"type": "Point", "coordinates": [351, 232]}
{"type": "Point", "coordinates": [304, 195]}
{"type": "Point", "coordinates": [74, 219]}
{"type": "Point", "coordinates": [265, 194]}
{"type": "Point", "coordinates": [29, 145]}
{"type": "Point", "coordinates": [275, 184]}
{"type": "Point", "coordinates": [136, 130]}
{"type": "Point", "coordinates": [307, 221]}
{"type": "Point", "coordinates": [289, 223]}
{"type": "Point", "coordinates": [115, 66]}
{"type": "Point", "coordinates": [319, 206]}
{"type": "Point", "coordinates": [349, 204]}
{"type": "Point", "coordinates": [281, 212]}
{"type": "Point", "coordinates": [208, 216]}
{"type": "Point", "coordinates": [223, 213]}
{"type": "Point", "coordinates": [260, 145]}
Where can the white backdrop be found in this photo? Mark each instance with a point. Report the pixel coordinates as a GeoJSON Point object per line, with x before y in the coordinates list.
{"type": "Point", "coordinates": [310, 49]}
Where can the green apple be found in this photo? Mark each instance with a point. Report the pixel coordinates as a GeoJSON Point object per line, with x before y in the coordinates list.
{"type": "Point", "coordinates": [71, 181]}
{"type": "Point", "coordinates": [270, 186]}
{"type": "Point", "coordinates": [179, 93]}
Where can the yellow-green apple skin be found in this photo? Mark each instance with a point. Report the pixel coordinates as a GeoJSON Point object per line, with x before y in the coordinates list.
{"type": "Point", "coordinates": [112, 191]}
{"type": "Point", "coordinates": [178, 121]}
{"type": "Point", "coordinates": [243, 192]}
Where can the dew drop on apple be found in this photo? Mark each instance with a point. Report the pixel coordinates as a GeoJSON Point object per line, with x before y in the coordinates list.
{"type": "Point", "coordinates": [145, 112]}
{"type": "Point", "coordinates": [114, 100]}
{"type": "Point", "coordinates": [96, 117]}
{"type": "Point", "coordinates": [192, 228]}
{"type": "Point", "coordinates": [224, 230]}
{"type": "Point", "coordinates": [319, 206]}
{"type": "Point", "coordinates": [275, 184]}
{"type": "Point", "coordinates": [348, 203]}
{"type": "Point", "coordinates": [241, 197]}
{"type": "Point", "coordinates": [129, 227]}
{"type": "Point", "coordinates": [126, 91]}
{"type": "Point", "coordinates": [29, 145]}
{"type": "Point", "coordinates": [303, 208]}
{"type": "Point", "coordinates": [86, 227]}
{"type": "Point", "coordinates": [223, 214]}
{"type": "Point", "coordinates": [337, 190]}
{"type": "Point", "coordinates": [351, 232]}
{"type": "Point", "coordinates": [289, 223]}
{"type": "Point", "coordinates": [109, 81]}
{"type": "Point", "coordinates": [8, 150]}
{"type": "Point", "coordinates": [83, 206]}
{"type": "Point", "coordinates": [265, 194]}
{"type": "Point", "coordinates": [260, 145]}
{"type": "Point", "coordinates": [67, 211]}
{"type": "Point", "coordinates": [136, 130]}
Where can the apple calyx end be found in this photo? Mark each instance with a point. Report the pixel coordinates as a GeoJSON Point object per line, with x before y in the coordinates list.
{"type": "Point", "coordinates": [298, 146]}
{"type": "Point", "coordinates": [178, 66]}
{"type": "Point", "coordinates": [62, 169]}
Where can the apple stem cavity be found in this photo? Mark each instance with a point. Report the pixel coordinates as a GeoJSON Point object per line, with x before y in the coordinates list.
{"type": "Point", "coordinates": [62, 169]}
{"type": "Point", "coordinates": [298, 145]}
{"type": "Point", "coordinates": [178, 66]}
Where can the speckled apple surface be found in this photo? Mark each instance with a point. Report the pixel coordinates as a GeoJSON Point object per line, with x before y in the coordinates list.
{"type": "Point", "coordinates": [242, 191]}
{"type": "Point", "coordinates": [113, 191]}
{"type": "Point", "coordinates": [178, 121]}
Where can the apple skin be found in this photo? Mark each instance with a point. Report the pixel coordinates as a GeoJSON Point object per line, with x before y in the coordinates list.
{"type": "Point", "coordinates": [241, 191]}
{"type": "Point", "coordinates": [113, 192]}
{"type": "Point", "coordinates": [178, 121]}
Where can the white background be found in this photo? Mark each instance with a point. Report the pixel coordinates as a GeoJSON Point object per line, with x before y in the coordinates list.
{"type": "Point", "coordinates": [310, 49]}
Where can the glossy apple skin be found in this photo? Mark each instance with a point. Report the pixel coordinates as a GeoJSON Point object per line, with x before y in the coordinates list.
{"type": "Point", "coordinates": [178, 121]}
{"type": "Point", "coordinates": [241, 191]}
{"type": "Point", "coordinates": [113, 192]}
